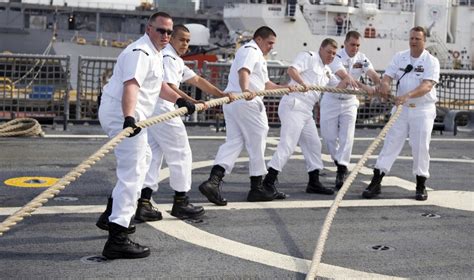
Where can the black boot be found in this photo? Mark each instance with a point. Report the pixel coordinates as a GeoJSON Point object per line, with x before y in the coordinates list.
{"type": "Point", "coordinates": [257, 192]}
{"type": "Point", "coordinates": [146, 212]}
{"type": "Point", "coordinates": [270, 182]}
{"type": "Point", "coordinates": [341, 175]}
{"type": "Point", "coordinates": [374, 188]}
{"type": "Point", "coordinates": [182, 209]}
{"type": "Point", "coordinates": [315, 186]}
{"type": "Point", "coordinates": [421, 193]}
{"type": "Point", "coordinates": [103, 221]}
{"type": "Point", "coordinates": [212, 187]}
{"type": "Point", "coordinates": [119, 246]}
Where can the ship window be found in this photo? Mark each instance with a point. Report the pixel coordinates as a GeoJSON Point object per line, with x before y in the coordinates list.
{"type": "Point", "coordinates": [304, 44]}
{"type": "Point", "coordinates": [378, 48]}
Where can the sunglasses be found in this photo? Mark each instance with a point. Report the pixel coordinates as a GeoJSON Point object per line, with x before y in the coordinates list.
{"type": "Point", "coordinates": [162, 31]}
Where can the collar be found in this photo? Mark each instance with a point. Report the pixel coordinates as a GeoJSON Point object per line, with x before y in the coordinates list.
{"type": "Point", "coordinates": [148, 41]}
{"type": "Point", "coordinates": [170, 48]}
{"type": "Point", "coordinates": [254, 44]}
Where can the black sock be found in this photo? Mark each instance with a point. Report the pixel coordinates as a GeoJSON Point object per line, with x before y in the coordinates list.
{"type": "Point", "coordinates": [146, 193]}
{"type": "Point", "coordinates": [180, 194]}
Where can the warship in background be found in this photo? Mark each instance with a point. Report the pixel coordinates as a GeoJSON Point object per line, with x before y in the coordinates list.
{"type": "Point", "coordinates": [95, 29]}
{"type": "Point", "coordinates": [385, 24]}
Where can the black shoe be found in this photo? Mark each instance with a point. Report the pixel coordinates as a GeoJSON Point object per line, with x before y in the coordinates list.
{"type": "Point", "coordinates": [211, 188]}
{"type": "Point", "coordinates": [146, 212]}
{"type": "Point", "coordinates": [103, 221]}
{"type": "Point", "coordinates": [257, 191]}
{"type": "Point", "coordinates": [375, 186]}
{"type": "Point", "coordinates": [341, 176]}
{"type": "Point", "coordinates": [421, 193]}
{"type": "Point", "coordinates": [315, 186]}
{"type": "Point", "coordinates": [119, 246]}
{"type": "Point", "coordinates": [182, 209]}
{"type": "Point", "coordinates": [271, 188]}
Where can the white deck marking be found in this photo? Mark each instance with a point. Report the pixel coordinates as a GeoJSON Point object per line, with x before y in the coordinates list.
{"type": "Point", "coordinates": [461, 200]}
{"type": "Point", "coordinates": [72, 136]}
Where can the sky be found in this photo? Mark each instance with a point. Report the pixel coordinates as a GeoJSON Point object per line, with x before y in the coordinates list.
{"type": "Point", "coordinates": [118, 4]}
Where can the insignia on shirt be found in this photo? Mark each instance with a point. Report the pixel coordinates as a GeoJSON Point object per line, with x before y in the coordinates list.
{"type": "Point", "coordinates": [357, 65]}
{"type": "Point", "coordinates": [328, 74]}
{"type": "Point", "coordinates": [401, 69]}
{"type": "Point", "coordinates": [419, 68]}
{"type": "Point", "coordinates": [366, 64]}
{"type": "Point", "coordinates": [170, 56]}
{"type": "Point", "coordinates": [140, 50]}
{"type": "Point", "coordinates": [338, 55]}
{"type": "Point", "coordinates": [250, 47]}
{"type": "Point", "coordinates": [310, 53]}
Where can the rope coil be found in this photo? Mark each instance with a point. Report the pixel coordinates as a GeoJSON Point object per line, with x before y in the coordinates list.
{"type": "Point", "coordinates": [21, 127]}
{"type": "Point", "coordinates": [76, 172]}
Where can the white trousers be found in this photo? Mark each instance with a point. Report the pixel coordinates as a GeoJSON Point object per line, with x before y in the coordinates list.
{"type": "Point", "coordinates": [133, 157]}
{"type": "Point", "coordinates": [337, 121]}
{"type": "Point", "coordinates": [246, 125]}
{"type": "Point", "coordinates": [169, 139]}
{"type": "Point", "coordinates": [297, 127]}
{"type": "Point", "coordinates": [417, 124]}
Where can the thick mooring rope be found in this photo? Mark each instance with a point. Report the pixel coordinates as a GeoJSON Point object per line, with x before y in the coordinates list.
{"type": "Point", "coordinates": [76, 172]}
{"type": "Point", "coordinates": [21, 127]}
{"type": "Point", "coordinates": [340, 195]}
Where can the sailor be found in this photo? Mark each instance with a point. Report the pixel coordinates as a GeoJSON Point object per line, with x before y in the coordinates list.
{"type": "Point", "coordinates": [417, 73]}
{"type": "Point", "coordinates": [169, 139]}
{"type": "Point", "coordinates": [246, 120]}
{"type": "Point", "coordinates": [296, 116]}
{"type": "Point", "coordinates": [339, 111]}
{"type": "Point", "coordinates": [130, 96]}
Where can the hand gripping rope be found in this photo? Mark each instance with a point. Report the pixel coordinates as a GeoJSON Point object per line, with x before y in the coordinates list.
{"type": "Point", "coordinates": [76, 172]}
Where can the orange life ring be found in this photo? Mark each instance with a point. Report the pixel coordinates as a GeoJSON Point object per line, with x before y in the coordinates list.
{"type": "Point", "coordinates": [456, 54]}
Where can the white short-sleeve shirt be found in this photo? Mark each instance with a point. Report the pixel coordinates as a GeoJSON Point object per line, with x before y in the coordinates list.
{"type": "Point", "coordinates": [313, 72]}
{"type": "Point", "coordinates": [356, 66]}
{"type": "Point", "coordinates": [248, 56]}
{"type": "Point", "coordinates": [425, 67]}
{"type": "Point", "coordinates": [176, 71]}
{"type": "Point", "coordinates": [144, 63]}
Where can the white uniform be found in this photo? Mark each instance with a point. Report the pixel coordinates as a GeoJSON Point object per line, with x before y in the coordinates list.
{"type": "Point", "coordinates": [296, 115]}
{"type": "Point", "coordinates": [339, 111]}
{"type": "Point", "coordinates": [417, 118]}
{"type": "Point", "coordinates": [142, 62]}
{"type": "Point", "coordinates": [169, 138]}
{"type": "Point", "coordinates": [246, 121]}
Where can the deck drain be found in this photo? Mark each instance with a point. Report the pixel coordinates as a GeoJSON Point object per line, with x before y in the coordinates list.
{"type": "Point", "coordinates": [35, 181]}
{"type": "Point", "coordinates": [93, 259]}
{"type": "Point", "coordinates": [430, 215]}
{"type": "Point", "coordinates": [382, 248]}
{"type": "Point", "coordinates": [65, 198]}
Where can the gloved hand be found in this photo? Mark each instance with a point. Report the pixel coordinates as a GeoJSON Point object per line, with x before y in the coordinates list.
{"type": "Point", "coordinates": [181, 102]}
{"type": "Point", "coordinates": [130, 122]}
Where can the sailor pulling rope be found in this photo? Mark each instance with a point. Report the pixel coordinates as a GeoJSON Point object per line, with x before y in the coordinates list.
{"type": "Point", "coordinates": [75, 173]}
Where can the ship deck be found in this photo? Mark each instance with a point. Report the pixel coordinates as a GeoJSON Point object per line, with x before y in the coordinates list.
{"type": "Point", "coordinates": [391, 236]}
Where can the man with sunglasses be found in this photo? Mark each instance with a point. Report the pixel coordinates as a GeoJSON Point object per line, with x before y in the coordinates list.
{"type": "Point", "coordinates": [130, 96]}
{"type": "Point", "coordinates": [169, 139]}
{"type": "Point", "coordinates": [246, 120]}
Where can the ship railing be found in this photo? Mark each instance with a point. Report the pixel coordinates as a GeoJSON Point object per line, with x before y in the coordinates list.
{"type": "Point", "coordinates": [50, 95]}
{"type": "Point", "coordinates": [34, 86]}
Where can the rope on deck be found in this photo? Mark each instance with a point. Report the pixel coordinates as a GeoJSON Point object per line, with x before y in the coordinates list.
{"type": "Point", "coordinates": [340, 195]}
